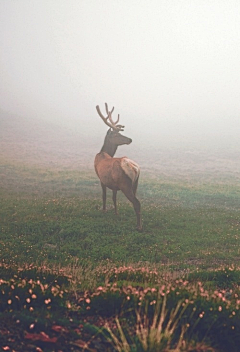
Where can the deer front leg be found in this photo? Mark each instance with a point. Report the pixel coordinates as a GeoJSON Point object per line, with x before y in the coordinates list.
{"type": "Point", "coordinates": [114, 197]}
{"type": "Point", "coordinates": [104, 196]}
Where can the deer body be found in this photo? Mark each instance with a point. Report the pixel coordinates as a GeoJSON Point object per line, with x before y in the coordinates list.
{"type": "Point", "coordinates": [114, 172]}
{"type": "Point", "coordinates": [117, 173]}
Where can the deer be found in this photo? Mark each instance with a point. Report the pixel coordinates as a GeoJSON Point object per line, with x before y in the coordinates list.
{"type": "Point", "coordinates": [117, 173]}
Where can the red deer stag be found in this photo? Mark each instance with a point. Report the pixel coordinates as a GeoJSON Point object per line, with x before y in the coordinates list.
{"type": "Point", "coordinates": [117, 173]}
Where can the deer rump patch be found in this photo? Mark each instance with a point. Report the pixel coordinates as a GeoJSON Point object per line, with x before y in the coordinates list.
{"type": "Point", "coordinates": [130, 168]}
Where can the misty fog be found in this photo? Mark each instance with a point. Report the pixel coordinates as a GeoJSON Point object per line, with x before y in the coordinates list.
{"type": "Point", "coordinates": [170, 68]}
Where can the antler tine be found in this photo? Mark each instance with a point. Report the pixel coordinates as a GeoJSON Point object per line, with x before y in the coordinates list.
{"type": "Point", "coordinates": [106, 106]}
{"type": "Point", "coordinates": [110, 119]}
{"type": "Point", "coordinates": [117, 119]}
{"type": "Point", "coordinates": [119, 126]}
{"type": "Point", "coordinates": [100, 114]}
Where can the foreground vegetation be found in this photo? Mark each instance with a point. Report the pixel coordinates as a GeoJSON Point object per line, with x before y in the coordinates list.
{"type": "Point", "coordinates": [130, 309]}
{"type": "Point", "coordinates": [75, 279]}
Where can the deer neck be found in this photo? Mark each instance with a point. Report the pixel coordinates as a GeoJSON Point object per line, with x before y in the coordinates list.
{"type": "Point", "coordinates": [108, 148]}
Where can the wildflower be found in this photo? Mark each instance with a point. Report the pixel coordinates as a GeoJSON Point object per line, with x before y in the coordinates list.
{"type": "Point", "coordinates": [38, 349]}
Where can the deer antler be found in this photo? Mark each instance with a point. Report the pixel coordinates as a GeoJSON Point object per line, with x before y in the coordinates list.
{"type": "Point", "coordinates": [111, 124]}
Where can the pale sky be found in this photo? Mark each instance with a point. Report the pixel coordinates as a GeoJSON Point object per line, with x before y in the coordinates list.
{"type": "Point", "coordinates": [168, 66]}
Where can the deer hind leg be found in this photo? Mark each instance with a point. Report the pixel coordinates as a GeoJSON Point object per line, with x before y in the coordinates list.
{"type": "Point", "coordinates": [129, 193]}
{"type": "Point", "coordinates": [135, 186]}
{"type": "Point", "coordinates": [114, 197]}
{"type": "Point", "coordinates": [104, 196]}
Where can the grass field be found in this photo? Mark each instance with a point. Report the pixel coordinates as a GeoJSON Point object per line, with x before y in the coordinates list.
{"type": "Point", "coordinates": [73, 278]}
{"type": "Point", "coordinates": [55, 216]}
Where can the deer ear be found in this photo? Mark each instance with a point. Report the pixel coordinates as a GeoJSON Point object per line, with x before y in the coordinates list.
{"type": "Point", "coordinates": [109, 130]}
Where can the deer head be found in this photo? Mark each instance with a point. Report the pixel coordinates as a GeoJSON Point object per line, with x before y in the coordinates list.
{"type": "Point", "coordinates": [113, 137]}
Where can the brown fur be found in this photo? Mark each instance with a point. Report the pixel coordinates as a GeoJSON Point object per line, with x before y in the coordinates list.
{"type": "Point", "coordinates": [113, 176]}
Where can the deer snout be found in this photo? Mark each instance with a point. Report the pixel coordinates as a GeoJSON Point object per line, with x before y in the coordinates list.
{"type": "Point", "coordinates": [129, 141]}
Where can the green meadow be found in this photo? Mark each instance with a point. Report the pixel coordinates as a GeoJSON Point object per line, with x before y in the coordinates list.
{"type": "Point", "coordinates": [55, 216]}
{"type": "Point", "coordinates": [73, 278]}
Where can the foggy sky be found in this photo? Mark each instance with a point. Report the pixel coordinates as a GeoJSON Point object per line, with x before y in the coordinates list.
{"type": "Point", "coordinates": [168, 66]}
